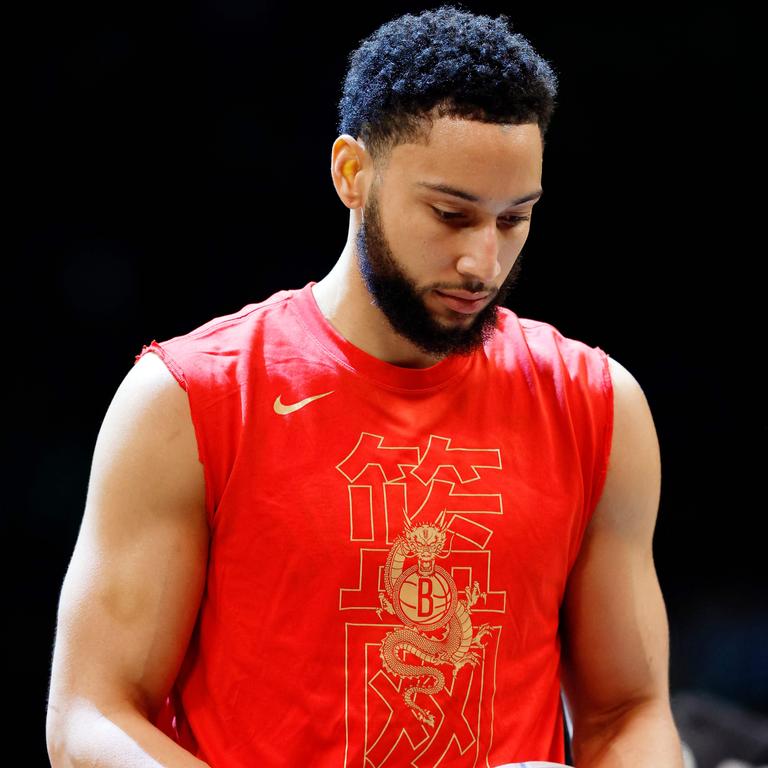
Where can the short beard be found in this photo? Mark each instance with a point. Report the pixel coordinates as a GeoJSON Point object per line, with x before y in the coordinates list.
{"type": "Point", "coordinates": [400, 300]}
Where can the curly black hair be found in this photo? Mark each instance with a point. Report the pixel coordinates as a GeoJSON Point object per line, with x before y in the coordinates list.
{"type": "Point", "coordinates": [444, 62]}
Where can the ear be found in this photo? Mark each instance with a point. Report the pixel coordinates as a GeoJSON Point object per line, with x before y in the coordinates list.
{"type": "Point", "coordinates": [350, 168]}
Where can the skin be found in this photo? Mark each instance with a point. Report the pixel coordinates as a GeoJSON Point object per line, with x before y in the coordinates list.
{"type": "Point", "coordinates": [614, 626]}
{"type": "Point", "coordinates": [380, 296]}
{"type": "Point", "coordinates": [135, 581]}
{"type": "Point", "coordinates": [133, 586]}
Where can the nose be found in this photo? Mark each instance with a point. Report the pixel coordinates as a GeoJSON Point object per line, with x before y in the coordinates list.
{"type": "Point", "coordinates": [481, 260]}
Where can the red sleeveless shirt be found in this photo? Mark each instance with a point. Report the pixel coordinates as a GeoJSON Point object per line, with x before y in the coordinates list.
{"type": "Point", "coordinates": [389, 546]}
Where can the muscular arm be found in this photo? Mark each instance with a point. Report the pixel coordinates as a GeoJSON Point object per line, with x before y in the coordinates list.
{"type": "Point", "coordinates": [615, 631]}
{"type": "Point", "coordinates": [133, 586]}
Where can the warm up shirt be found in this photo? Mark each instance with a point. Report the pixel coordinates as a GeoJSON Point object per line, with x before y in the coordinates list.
{"type": "Point", "coordinates": [389, 546]}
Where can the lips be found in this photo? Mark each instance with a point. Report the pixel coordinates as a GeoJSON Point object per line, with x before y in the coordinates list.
{"type": "Point", "coordinates": [462, 301]}
{"type": "Point", "coordinates": [465, 295]}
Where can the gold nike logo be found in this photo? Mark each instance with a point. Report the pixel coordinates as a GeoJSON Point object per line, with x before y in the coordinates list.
{"type": "Point", "coordinates": [283, 409]}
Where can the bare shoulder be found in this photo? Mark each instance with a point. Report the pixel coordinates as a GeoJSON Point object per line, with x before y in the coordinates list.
{"type": "Point", "coordinates": [149, 381]}
{"type": "Point", "coordinates": [620, 371]}
{"type": "Point", "coordinates": [625, 386]}
{"type": "Point", "coordinates": [614, 625]}
{"type": "Point", "coordinates": [150, 415]}
{"type": "Point", "coordinates": [629, 501]}
{"type": "Point", "coordinates": [138, 568]}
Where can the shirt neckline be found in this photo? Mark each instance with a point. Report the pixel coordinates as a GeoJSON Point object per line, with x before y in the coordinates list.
{"type": "Point", "coordinates": [367, 365]}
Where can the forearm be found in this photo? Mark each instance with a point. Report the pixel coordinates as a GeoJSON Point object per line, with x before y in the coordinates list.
{"type": "Point", "coordinates": [122, 738]}
{"type": "Point", "coordinates": [643, 736]}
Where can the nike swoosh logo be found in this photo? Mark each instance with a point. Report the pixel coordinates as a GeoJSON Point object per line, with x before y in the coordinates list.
{"type": "Point", "coordinates": [283, 409]}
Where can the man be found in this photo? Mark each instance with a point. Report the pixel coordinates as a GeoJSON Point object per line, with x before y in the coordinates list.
{"type": "Point", "coordinates": [379, 520]}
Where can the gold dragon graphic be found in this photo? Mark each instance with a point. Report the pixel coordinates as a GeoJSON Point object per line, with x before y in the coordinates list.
{"type": "Point", "coordinates": [425, 599]}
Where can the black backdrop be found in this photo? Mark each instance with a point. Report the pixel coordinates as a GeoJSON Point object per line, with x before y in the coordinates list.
{"type": "Point", "coordinates": [175, 167]}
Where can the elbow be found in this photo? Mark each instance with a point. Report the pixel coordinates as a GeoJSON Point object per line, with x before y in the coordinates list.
{"type": "Point", "coordinates": [67, 723]}
{"type": "Point", "coordinates": [55, 737]}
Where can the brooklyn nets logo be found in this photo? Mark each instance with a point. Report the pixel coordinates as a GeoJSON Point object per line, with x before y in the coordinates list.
{"type": "Point", "coordinates": [437, 630]}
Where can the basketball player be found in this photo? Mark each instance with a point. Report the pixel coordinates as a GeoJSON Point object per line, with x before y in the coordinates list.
{"type": "Point", "coordinates": [379, 520]}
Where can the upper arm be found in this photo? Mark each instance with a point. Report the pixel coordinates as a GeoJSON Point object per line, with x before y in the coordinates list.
{"type": "Point", "coordinates": [133, 586]}
{"type": "Point", "coordinates": [615, 631]}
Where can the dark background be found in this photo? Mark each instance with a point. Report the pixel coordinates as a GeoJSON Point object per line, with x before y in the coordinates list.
{"type": "Point", "coordinates": [175, 166]}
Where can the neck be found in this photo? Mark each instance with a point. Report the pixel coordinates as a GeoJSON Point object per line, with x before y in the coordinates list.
{"type": "Point", "coordinates": [344, 300]}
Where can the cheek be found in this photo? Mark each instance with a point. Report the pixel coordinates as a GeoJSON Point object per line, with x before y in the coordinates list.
{"type": "Point", "coordinates": [400, 226]}
{"type": "Point", "coordinates": [515, 241]}
{"type": "Point", "coordinates": [413, 240]}
{"type": "Point", "coordinates": [405, 228]}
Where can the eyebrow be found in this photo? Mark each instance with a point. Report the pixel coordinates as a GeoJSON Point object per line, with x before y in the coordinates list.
{"type": "Point", "coordinates": [449, 190]}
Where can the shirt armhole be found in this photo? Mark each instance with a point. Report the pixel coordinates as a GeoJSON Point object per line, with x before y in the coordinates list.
{"type": "Point", "coordinates": [178, 373]}
{"type": "Point", "coordinates": [170, 363]}
{"type": "Point", "coordinates": [605, 449]}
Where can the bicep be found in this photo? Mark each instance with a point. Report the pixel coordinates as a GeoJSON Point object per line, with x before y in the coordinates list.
{"type": "Point", "coordinates": [615, 632]}
{"type": "Point", "coordinates": [133, 586]}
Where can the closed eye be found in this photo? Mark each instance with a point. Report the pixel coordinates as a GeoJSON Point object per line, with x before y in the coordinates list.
{"type": "Point", "coordinates": [446, 216]}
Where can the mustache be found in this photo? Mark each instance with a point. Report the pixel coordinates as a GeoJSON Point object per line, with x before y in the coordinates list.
{"type": "Point", "coordinates": [496, 294]}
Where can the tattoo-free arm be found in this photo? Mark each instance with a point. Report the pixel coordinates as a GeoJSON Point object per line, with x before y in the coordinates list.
{"type": "Point", "coordinates": [133, 587]}
{"type": "Point", "coordinates": [615, 631]}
